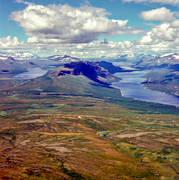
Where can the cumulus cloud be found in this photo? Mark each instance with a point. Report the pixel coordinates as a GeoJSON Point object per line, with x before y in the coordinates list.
{"type": "Point", "coordinates": [171, 2]}
{"type": "Point", "coordinates": [93, 49]}
{"type": "Point", "coordinates": [163, 32]}
{"type": "Point", "coordinates": [62, 29]}
{"type": "Point", "coordinates": [163, 37]}
{"type": "Point", "coordinates": [66, 24]}
{"type": "Point", "coordinates": [8, 41]}
{"type": "Point", "coordinates": [160, 14]}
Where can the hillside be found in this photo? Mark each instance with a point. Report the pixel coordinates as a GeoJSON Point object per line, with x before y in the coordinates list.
{"type": "Point", "coordinates": [168, 61]}
{"type": "Point", "coordinates": [89, 90]}
{"type": "Point", "coordinates": [163, 72]}
{"type": "Point", "coordinates": [15, 64]}
{"type": "Point", "coordinates": [77, 128]}
{"type": "Point", "coordinates": [166, 81]}
{"type": "Point", "coordinates": [84, 68]}
{"type": "Point", "coordinates": [110, 67]}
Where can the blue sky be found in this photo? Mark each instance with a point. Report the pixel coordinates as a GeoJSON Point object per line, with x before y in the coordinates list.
{"type": "Point", "coordinates": [138, 30]}
{"type": "Point", "coordinates": [117, 8]}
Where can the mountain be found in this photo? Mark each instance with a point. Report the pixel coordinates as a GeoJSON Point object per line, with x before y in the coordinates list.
{"type": "Point", "coordinates": [170, 61]}
{"type": "Point", "coordinates": [69, 124]}
{"type": "Point", "coordinates": [84, 68]}
{"type": "Point", "coordinates": [98, 71]}
{"type": "Point", "coordinates": [17, 63]}
{"type": "Point", "coordinates": [63, 59]}
{"type": "Point", "coordinates": [163, 80]}
{"type": "Point", "coordinates": [164, 72]}
{"type": "Point", "coordinates": [10, 65]}
{"type": "Point", "coordinates": [111, 67]}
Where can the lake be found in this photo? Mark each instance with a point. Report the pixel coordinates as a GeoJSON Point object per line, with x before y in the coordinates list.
{"type": "Point", "coordinates": [131, 87]}
{"type": "Point", "coordinates": [32, 73]}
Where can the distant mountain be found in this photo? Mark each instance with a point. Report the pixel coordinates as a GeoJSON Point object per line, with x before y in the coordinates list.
{"type": "Point", "coordinates": [110, 67]}
{"type": "Point", "coordinates": [166, 81]}
{"type": "Point", "coordinates": [21, 62]}
{"type": "Point", "coordinates": [84, 68]}
{"type": "Point", "coordinates": [63, 59]}
{"type": "Point", "coordinates": [10, 65]}
{"type": "Point", "coordinates": [164, 74]}
{"type": "Point", "coordinates": [16, 63]}
{"type": "Point", "coordinates": [170, 61]}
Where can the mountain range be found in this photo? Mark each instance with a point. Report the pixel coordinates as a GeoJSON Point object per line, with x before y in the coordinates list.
{"type": "Point", "coordinates": [169, 61]}
{"type": "Point", "coordinates": [163, 70]}
{"type": "Point", "coordinates": [71, 124]}
{"type": "Point", "coordinates": [15, 64]}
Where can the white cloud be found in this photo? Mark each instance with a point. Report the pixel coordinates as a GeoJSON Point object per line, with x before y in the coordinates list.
{"type": "Point", "coordinates": [66, 24]}
{"type": "Point", "coordinates": [160, 14]}
{"type": "Point", "coordinates": [171, 2]}
{"type": "Point", "coordinates": [162, 38]}
{"type": "Point", "coordinates": [61, 29]}
{"type": "Point", "coordinates": [8, 41]}
{"type": "Point", "coordinates": [23, 2]}
{"type": "Point", "coordinates": [168, 32]}
{"type": "Point", "coordinates": [93, 49]}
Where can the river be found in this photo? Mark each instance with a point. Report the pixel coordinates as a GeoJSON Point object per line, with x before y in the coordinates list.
{"type": "Point", "coordinates": [131, 87]}
{"type": "Point", "coordinates": [32, 73]}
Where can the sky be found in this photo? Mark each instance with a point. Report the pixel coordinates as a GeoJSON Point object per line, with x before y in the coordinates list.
{"type": "Point", "coordinates": [89, 28]}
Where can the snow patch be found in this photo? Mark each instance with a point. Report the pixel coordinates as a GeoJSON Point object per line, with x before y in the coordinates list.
{"type": "Point", "coordinates": [176, 57]}
{"type": "Point", "coordinates": [165, 55]}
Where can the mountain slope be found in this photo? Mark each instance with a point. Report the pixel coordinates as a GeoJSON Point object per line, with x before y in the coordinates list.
{"type": "Point", "coordinates": [164, 61]}
{"type": "Point", "coordinates": [163, 72]}
{"type": "Point", "coordinates": [110, 67]}
{"type": "Point", "coordinates": [70, 127]}
{"type": "Point", "coordinates": [166, 81]}
{"type": "Point", "coordinates": [87, 69]}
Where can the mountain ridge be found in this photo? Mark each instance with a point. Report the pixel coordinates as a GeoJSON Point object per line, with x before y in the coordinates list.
{"type": "Point", "coordinates": [85, 68]}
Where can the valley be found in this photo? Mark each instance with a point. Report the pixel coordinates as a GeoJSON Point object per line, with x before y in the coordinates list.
{"type": "Point", "coordinates": [89, 90]}
{"type": "Point", "coordinates": [68, 122]}
{"type": "Point", "coordinates": [71, 127]}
